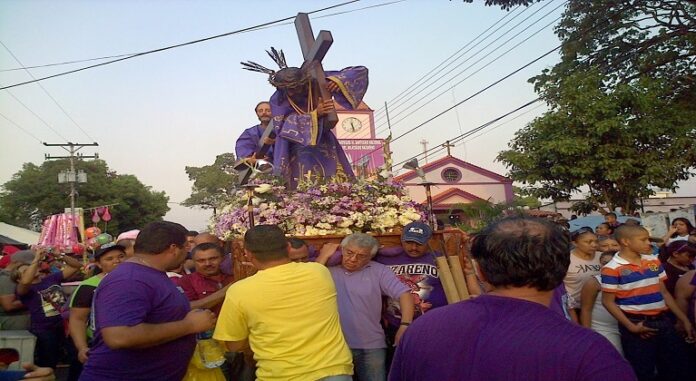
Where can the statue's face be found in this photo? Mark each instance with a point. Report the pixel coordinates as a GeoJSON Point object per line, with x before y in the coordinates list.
{"type": "Point", "coordinates": [297, 91]}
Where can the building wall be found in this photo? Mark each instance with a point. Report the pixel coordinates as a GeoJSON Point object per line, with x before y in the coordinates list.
{"type": "Point", "coordinates": [496, 192]}
{"type": "Point", "coordinates": [655, 205]}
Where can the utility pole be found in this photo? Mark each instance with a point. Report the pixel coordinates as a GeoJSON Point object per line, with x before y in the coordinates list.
{"type": "Point", "coordinates": [425, 149]}
{"type": "Point", "coordinates": [71, 176]}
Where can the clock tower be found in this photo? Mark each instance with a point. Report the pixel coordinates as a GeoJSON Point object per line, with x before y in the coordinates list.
{"type": "Point", "coordinates": [355, 131]}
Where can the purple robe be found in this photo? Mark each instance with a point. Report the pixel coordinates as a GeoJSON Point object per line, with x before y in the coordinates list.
{"type": "Point", "coordinates": [248, 142]}
{"type": "Point", "coordinates": [302, 144]}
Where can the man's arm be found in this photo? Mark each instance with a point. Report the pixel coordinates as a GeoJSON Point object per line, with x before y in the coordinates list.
{"type": "Point", "coordinates": [669, 301]}
{"type": "Point", "coordinates": [146, 335]}
{"type": "Point", "coordinates": [237, 346]}
{"type": "Point", "coordinates": [9, 302]}
{"type": "Point", "coordinates": [326, 252]}
{"type": "Point", "coordinates": [72, 266]}
{"type": "Point", "coordinates": [211, 300]}
{"type": "Point", "coordinates": [406, 306]}
{"type": "Point", "coordinates": [77, 325]}
{"type": "Point", "coordinates": [684, 290]}
{"type": "Point", "coordinates": [27, 278]}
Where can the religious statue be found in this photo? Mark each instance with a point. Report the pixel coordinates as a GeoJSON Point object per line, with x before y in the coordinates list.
{"type": "Point", "coordinates": [303, 109]}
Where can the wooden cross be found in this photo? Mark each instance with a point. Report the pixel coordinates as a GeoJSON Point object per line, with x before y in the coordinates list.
{"type": "Point", "coordinates": [313, 52]}
{"type": "Point", "coordinates": [448, 145]}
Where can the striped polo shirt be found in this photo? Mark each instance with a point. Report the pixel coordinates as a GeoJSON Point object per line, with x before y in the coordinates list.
{"type": "Point", "coordinates": [637, 288]}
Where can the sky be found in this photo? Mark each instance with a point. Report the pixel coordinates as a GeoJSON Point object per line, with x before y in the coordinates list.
{"type": "Point", "coordinates": [156, 114]}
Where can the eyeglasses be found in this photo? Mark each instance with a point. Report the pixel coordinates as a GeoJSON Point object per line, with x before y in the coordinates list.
{"type": "Point", "coordinates": [358, 256]}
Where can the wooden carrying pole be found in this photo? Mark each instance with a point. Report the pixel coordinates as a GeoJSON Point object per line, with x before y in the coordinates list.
{"type": "Point", "coordinates": [446, 279]}
{"type": "Point", "coordinates": [456, 266]}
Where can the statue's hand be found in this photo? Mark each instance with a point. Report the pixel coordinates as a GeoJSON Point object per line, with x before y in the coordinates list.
{"type": "Point", "coordinates": [332, 86]}
{"type": "Point", "coordinates": [325, 107]}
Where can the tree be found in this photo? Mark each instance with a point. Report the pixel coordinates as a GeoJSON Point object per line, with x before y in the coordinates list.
{"type": "Point", "coordinates": [212, 184]}
{"type": "Point", "coordinates": [621, 105]}
{"type": "Point", "coordinates": [34, 193]}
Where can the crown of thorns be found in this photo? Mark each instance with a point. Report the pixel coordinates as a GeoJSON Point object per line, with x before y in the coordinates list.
{"type": "Point", "coordinates": [286, 77]}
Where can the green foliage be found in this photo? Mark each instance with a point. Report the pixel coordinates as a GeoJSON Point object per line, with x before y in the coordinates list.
{"type": "Point", "coordinates": [506, 4]}
{"type": "Point", "coordinates": [621, 106]}
{"type": "Point", "coordinates": [213, 184]}
{"type": "Point", "coordinates": [34, 193]}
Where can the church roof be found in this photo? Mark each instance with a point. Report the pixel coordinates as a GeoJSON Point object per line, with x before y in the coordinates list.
{"type": "Point", "coordinates": [440, 200]}
{"type": "Point", "coordinates": [451, 160]}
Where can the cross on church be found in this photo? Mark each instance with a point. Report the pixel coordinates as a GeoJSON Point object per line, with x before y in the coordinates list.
{"type": "Point", "coordinates": [448, 145]}
{"type": "Point", "coordinates": [313, 52]}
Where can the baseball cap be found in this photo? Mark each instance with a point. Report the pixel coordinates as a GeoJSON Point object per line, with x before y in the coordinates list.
{"type": "Point", "coordinates": [23, 256]}
{"type": "Point", "coordinates": [107, 248]}
{"type": "Point", "coordinates": [418, 232]}
{"type": "Point", "coordinates": [131, 234]}
{"type": "Point", "coordinates": [681, 247]}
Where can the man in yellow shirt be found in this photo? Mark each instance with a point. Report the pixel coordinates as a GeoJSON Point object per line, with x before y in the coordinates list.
{"type": "Point", "coordinates": [287, 313]}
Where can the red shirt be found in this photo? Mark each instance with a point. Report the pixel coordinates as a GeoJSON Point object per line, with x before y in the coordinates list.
{"type": "Point", "coordinates": [197, 286]}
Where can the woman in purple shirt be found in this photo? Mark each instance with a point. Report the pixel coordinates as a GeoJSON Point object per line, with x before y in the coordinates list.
{"type": "Point", "coordinates": [43, 296]}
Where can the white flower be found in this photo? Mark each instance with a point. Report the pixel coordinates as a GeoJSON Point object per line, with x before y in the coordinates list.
{"type": "Point", "coordinates": [263, 188]}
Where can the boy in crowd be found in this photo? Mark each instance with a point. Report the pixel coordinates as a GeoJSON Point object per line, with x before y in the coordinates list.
{"type": "Point", "coordinates": [634, 293]}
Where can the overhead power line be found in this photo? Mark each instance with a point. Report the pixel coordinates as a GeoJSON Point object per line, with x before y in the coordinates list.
{"type": "Point", "coordinates": [21, 128]}
{"type": "Point", "coordinates": [37, 116]}
{"type": "Point", "coordinates": [49, 95]}
{"type": "Point", "coordinates": [417, 83]}
{"type": "Point", "coordinates": [255, 29]}
{"type": "Point", "coordinates": [411, 111]}
{"type": "Point", "coordinates": [174, 46]}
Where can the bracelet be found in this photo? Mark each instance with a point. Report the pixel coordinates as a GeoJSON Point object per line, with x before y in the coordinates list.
{"type": "Point", "coordinates": [470, 273]}
{"type": "Point", "coordinates": [405, 324]}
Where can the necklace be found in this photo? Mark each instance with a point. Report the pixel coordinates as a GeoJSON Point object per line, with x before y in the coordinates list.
{"type": "Point", "coordinates": [142, 261]}
{"type": "Point", "coordinates": [309, 102]}
{"type": "Point", "coordinates": [680, 267]}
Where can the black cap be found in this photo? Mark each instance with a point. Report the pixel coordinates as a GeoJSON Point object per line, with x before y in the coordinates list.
{"type": "Point", "coordinates": [107, 247]}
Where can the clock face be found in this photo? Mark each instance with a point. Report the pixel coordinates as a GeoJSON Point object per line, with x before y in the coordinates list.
{"type": "Point", "coordinates": [351, 124]}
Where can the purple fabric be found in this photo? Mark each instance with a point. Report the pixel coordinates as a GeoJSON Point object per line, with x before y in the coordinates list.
{"type": "Point", "coordinates": [45, 302]}
{"type": "Point", "coordinates": [360, 302]}
{"type": "Point", "coordinates": [421, 276]}
{"type": "Point", "coordinates": [294, 153]}
{"type": "Point", "coordinates": [248, 142]}
{"type": "Point", "coordinates": [692, 301]}
{"type": "Point", "coordinates": [130, 295]}
{"type": "Point", "coordinates": [497, 338]}
{"type": "Point", "coordinates": [559, 301]}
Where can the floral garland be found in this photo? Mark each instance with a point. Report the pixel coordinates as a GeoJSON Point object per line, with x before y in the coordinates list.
{"type": "Point", "coordinates": [320, 207]}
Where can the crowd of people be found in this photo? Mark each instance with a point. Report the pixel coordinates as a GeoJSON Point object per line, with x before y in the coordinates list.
{"type": "Point", "coordinates": [155, 301]}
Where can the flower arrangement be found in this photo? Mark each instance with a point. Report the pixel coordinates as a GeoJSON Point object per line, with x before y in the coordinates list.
{"type": "Point", "coordinates": [320, 207]}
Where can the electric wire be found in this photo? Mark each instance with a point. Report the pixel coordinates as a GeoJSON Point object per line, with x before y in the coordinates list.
{"type": "Point", "coordinates": [412, 111]}
{"type": "Point", "coordinates": [21, 128]}
{"type": "Point", "coordinates": [36, 115]}
{"type": "Point", "coordinates": [173, 46]}
{"type": "Point", "coordinates": [48, 94]}
{"type": "Point", "coordinates": [425, 77]}
{"type": "Point", "coordinates": [255, 29]}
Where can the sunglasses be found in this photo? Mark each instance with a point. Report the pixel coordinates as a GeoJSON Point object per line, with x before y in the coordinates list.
{"type": "Point", "coordinates": [581, 231]}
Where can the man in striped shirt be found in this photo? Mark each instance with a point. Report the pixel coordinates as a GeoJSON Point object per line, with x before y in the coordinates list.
{"type": "Point", "coordinates": [634, 293]}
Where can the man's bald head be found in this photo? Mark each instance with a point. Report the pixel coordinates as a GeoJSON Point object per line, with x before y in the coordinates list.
{"type": "Point", "coordinates": [207, 238]}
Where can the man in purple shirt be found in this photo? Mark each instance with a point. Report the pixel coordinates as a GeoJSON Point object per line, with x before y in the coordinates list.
{"type": "Point", "coordinates": [248, 141]}
{"type": "Point", "coordinates": [509, 333]}
{"type": "Point", "coordinates": [360, 284]}
{"type": "Point", "coordinates": [144, 325]}
{"type": "Point", "coordinates": [414, 264]}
